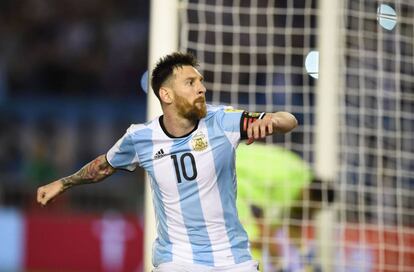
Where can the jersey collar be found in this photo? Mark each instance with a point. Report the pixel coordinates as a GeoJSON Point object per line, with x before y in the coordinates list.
{"type": "Point", "coordinates": [161, 121]}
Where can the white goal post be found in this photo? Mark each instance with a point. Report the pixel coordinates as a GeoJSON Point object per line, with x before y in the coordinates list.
{"type": "Point", "coordinates": [163, 41]}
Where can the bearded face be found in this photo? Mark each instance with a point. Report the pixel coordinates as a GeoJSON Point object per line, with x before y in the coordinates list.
{"type": "Point", "coordinates": [191, 111]}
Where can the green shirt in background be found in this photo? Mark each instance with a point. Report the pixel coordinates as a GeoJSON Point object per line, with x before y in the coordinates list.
{"type": "Point", "coordinates": [271, 178]}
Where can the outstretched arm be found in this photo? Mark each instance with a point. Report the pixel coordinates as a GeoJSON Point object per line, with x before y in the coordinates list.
{"type": "Point", "coordinates": [277, 122]}
{"type": "Point", "coordinates": [95, 171]}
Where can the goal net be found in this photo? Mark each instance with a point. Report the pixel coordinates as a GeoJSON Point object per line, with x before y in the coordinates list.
{"type": "Point", "coordinates": [376, 131]}
{"type": "Point", "coordinates": [262, 55]}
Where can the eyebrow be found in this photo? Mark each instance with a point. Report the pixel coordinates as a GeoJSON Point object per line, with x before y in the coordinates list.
{"type": "Point", "coordinates": [194, 77]}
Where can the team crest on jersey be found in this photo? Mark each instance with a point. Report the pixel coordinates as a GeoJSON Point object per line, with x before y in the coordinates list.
{"type": "Point", "coordinates": [199, 142]}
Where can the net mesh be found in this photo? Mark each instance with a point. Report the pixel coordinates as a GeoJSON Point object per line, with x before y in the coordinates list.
{"type": "Point", "coordinates": [376, 130]}
{"type": "Point", "coordinates": [252, 55]}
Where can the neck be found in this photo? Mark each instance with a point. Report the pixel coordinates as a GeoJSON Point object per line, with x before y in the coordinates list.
{"type": "Point", "coordinates": [178, 126]}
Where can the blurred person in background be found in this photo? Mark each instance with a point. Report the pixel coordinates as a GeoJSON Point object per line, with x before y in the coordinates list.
{"type": "Point", "coordinates": [296, 245]}
{"type": "Point", "coordinates": [278, 197]}
{"type": "Point", "coordinates": [189, 154]}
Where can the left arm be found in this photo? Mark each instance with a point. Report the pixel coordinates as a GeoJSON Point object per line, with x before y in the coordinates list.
{"type": "Point", "coordinates": [277, 122]}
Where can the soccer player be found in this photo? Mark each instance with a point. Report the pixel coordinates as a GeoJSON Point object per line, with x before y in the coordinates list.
{"type": "Point", "coordinates": [274, 206]}
{"type": "Point", "coordinates": [189, 154]}
{"type": "Point", "coordinates": [263, 194]}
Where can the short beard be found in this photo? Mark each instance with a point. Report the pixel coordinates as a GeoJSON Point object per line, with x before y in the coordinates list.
{"type": "Point", "coordinates": [191, 111]}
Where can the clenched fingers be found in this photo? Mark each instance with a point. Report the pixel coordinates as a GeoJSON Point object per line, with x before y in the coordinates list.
{"type": "Point", "coordinates": [49, 192]}
{"type": "Point", "coordinates": [42, 196]}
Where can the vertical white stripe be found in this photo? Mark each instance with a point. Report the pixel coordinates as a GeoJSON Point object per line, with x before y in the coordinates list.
{"type": "Point", "coordinates": [233, 137]}
{"type": "Point", "coordinates": [181, 250]}
{"type": "Point", "coordinates": [212, 207]}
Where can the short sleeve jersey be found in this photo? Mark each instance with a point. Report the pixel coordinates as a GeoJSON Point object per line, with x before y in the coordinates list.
{"type": "Point", "coordinates": [193, 183]}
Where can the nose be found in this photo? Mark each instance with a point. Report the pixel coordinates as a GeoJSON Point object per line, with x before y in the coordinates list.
{"type": "Point", "coordinates": [201, 89]}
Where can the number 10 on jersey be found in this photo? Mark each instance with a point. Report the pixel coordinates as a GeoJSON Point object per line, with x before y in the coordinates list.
{"type": "Point", "coordinates": [181, 170]}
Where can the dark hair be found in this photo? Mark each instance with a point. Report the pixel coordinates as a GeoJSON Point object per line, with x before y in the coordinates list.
{"type": "Point", "coordinates": [165, 67]}
{"type": "Point", "coordinates": [320, 193]}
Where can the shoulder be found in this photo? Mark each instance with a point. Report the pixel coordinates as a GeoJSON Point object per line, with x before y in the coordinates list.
{"type": "Point", "coordinates": [219, 110]}
{"type": "Point", "coordinates": [136, 129]}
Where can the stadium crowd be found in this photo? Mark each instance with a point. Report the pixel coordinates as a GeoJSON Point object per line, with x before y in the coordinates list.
{"type": "Point", "coordinates": [67, 71]}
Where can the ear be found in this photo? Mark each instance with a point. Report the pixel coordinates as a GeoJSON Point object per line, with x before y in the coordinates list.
{"type": "Point", "coordinates": [166, 95]}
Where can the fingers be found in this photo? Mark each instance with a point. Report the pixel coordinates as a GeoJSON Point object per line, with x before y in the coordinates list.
{"type": "Point", "coordinates": [249, 131]}
{"type": "Point", "coordinates": [256, 131]}
{"type": "Point", "coordinates": [252, 133]}
{"type": "Point", "coordinates": [42, 196]}
{"type": "Point", "coordinates": [249, 135]}
{"type": "Point", "coordinates": [263, 128]}
{"type": "Point", "coordinates": [250, 141]}
{"type": "Point", "coordinates": [270, 128]}
{"type": "Point", "coordinates": [259, 130]}
{"type": "Point", "coordinates": [48, 192]}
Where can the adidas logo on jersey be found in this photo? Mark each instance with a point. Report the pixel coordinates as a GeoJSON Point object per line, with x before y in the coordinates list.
{"type": "Point", "coordinates": [159, 154]}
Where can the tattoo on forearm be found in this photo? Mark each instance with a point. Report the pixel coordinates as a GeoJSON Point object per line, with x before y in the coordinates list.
{"type": "Point", "coordinates": [94, 171]}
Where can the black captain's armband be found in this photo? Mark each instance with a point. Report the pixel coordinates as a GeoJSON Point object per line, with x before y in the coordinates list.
{"type": "Point", "coordinates": [246, 119]}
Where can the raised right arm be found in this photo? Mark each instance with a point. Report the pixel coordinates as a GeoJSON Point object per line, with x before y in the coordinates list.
{"type": "Point", "coordinates": [95, 171]}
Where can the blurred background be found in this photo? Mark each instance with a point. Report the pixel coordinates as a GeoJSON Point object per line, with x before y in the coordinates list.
{"type": "Point", "coordinates": [70, 85]}
{"type": "Point", "coordinates": [70, 76]}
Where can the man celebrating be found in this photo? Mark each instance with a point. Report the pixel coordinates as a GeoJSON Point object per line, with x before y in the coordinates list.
{"type": "Point", "coordinates": [189, 154]}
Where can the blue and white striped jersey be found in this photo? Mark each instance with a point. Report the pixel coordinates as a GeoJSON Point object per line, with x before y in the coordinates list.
{"type": "Point", "coordinates": [193, 183]}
